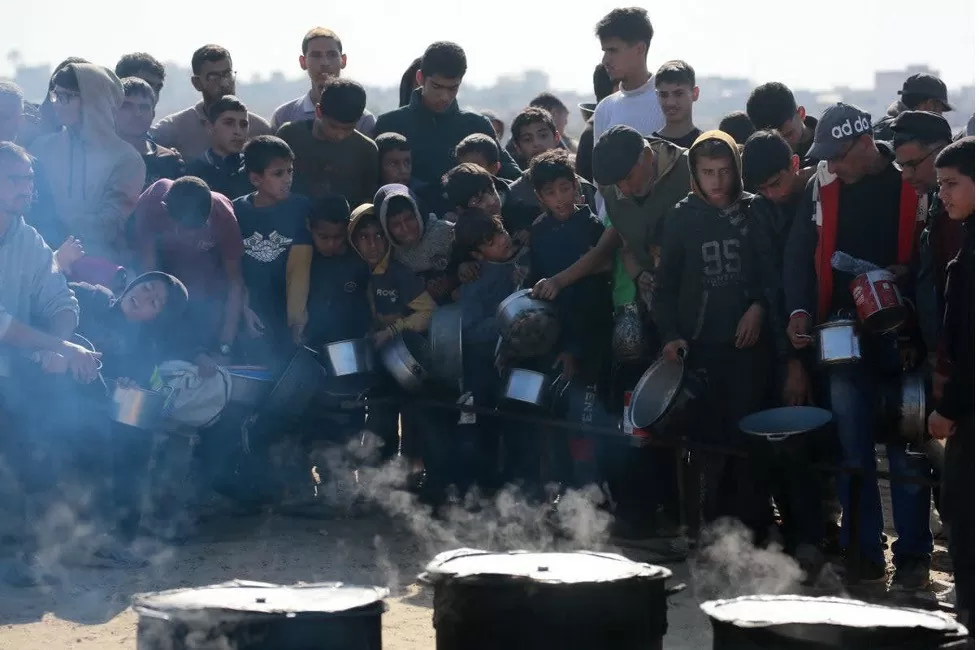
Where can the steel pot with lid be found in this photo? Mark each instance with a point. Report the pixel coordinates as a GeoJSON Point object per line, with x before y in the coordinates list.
{"type": "Point", "coordinates": [665, 389]}
{"type": "Point", "coordinates": [259, 616]}
{"type": "Point", "coordinates": [837, 342]}
{"type": "Point", "coordinates": [529, 326]}
{"type": "Point", "coordinates": [525, 600]}
{"type": "Point", "coordinates": [795, 622]}
{"type": "Point", "coordinates": [407, 357]}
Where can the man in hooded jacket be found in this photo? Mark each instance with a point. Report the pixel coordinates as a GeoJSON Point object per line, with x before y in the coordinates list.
{"type": "Point", "coordinates": [91, 175]}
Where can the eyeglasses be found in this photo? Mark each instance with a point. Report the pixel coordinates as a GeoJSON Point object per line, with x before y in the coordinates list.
{"type": "Point", "coordinates": [63, 96]}
{"type": "Point", "coordinates": [911, 165]}
{"type": "Point", "coordinates": [214, 77]}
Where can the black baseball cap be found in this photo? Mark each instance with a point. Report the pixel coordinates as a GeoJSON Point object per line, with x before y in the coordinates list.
{"type": "Point", "coordinates": [616, 153]}
{"type": "Point", "coordinates": [920, 125]}
{"type": "Point", "coordinates": [839, 124]}
{"type": "Point", "coordinates": [928, 86]}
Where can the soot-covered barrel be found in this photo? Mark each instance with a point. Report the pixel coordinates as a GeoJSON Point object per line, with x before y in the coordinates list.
{"type": "Point", "coordinates": [260, 616]}
{"type": "Point", "coordinates": [524, 601]}
{"type": "Point", "coordinates": [811, 623]}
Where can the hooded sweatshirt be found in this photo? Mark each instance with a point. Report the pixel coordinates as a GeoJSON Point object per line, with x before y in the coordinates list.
{"type": "Point", "coordinates": [711, 267]}
{"type": "Point", "coordinates": [397, 296]}
{"type": "Point", "coordinates": [429, 257]}
{"type": "Point", "coordinates": [91, 174]}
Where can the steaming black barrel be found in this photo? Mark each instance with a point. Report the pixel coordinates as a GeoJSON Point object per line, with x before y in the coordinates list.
{"type": "Point", "coordinates": [259, 616]}
{"type": "Point", "coordinates": [808, 623]}
{"type": "Point", "coordinates": [538, 601]}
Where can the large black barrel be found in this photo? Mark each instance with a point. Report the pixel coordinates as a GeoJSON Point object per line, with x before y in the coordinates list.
{"type": "Point", "coordinates": [810, 623]}
{"type": "Point", "coordinates": [259, 616]}
{"type": "Point", "coordinates": [530, 601]}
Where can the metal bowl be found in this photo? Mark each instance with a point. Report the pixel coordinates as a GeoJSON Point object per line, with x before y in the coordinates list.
{"type": "Point", "coordinates": [529, 326]}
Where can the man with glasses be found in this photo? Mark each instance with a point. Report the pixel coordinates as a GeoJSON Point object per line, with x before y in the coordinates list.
{"type": "Point", "coordinates": [858, 203]}
{"type": "Point", "coordinates": [133, 123]}
{"type": "Point", "coordinates": [322, 59]}
{"type": "Point", "coordinates": [213, 78]}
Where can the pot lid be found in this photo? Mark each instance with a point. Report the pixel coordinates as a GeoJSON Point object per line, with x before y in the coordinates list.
{"type": "Point", "coordinates": [550, 568]}
{"type": "Point", "coordinates": [786, 420]}
{"type": "Point", "coordinates": [766, 611]}
{"type": "Point", "coordinates": [244, 597]}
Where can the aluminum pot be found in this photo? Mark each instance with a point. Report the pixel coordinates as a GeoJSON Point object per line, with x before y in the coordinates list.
{"type": "Point", "coordinates": [250, 385]}
{"type": "Point", "coordinates": [296, 385]}
{"type": "Point", "coordinates": [792, 431]}
{"type": "Point", "coordinates": [532, 388]}
{"type": "Point", "coordinates": [407, 357]}
{"type": "Point", "coordinates": [837, 342]}
{"type": "Point", "coordinates": [139, 407]}
{"type": "Point", "coordinates": [445, 340]}
{"type": "Point", "coordinates": [665, 389]}
{"type": "Point", "coordinates": [904, 410]}
{"type": "Point", "coordinates": [349, 357]}
{"type": "Point", "coordinates": [530, 327]}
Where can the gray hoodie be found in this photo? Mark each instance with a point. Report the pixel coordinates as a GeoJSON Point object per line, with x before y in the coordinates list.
{"type": "Point", "coordinates": [92, 176]}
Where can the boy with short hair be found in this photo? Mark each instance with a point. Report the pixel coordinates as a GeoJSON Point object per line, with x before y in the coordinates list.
{"type": "Point", "coordinates": [738, 125]}
{"type": "Point", "coordinates": [331, 155]}
{"type": "Point", "coordinates": [470, 186]}
{"type": "Point", "coordinates": [278, 249]}
{"type": "Point", "coordinates": [132, 125]}
{"type": "Point", "coordinates": [710, 303]}
{"type": "Point", "coordinates": [322, 59]}
{"type": "Point", "coordinates": [559, 112]}
{"type": "Point", "coordinates": [479, 149]}
{"type": "Point", "coordinates": [394, 155]}
{"type": "Point", "coordinates": [954, 416]}
{"type": "Point", "coordinates": [534, 133]}
{"type": "Point", "coordinates": [676, 88]}
{"type": "Point", "coordinates": [214, 77]}
{"type": "Point", "coordinates": [222, 166]}
{"type": "Point", "coordinates": [143, 66]}
{"type": "Point", "coordinates": [772, 106]}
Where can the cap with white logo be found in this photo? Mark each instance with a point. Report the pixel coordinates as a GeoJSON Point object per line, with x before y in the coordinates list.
{"type": "Point", "coordinates": [838, 125]}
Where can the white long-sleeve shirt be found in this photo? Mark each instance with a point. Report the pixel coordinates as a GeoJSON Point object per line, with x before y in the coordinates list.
{"type": "Point", "coordinates": [637, 108]}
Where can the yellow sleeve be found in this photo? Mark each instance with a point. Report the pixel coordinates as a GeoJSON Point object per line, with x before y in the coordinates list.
{"type": "Point", "coordinates": [422, 308]}
{"type": "Point", "coordinates": [297, 283]}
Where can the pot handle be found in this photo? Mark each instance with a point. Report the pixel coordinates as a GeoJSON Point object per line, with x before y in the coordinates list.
{"type": "Point", "coordinates": [777, 437]}
{"type": "Point", "coordinates": [681, 354]}
{"type": "Point", "coordinates": [170, 394]}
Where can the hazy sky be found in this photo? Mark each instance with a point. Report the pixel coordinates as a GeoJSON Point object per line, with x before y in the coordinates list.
{"type": "Point", "coordinates": [804, 44]}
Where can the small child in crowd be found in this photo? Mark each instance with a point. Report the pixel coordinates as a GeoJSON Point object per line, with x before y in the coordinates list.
{"type": "Point", "coordinates": [483, 150]}
{"type": "Point", "coordinates": [394, 155]}
{"type": "Point", "coordinates": [534, 132]}
{"type": "Point", "coordinates": [222, 166]}
{"type": "Point", "coordinates": [469, 186]}
{"type": "Point", "coordinates": [278, 249]}
{"type": "Point", "coordinates": [331, 155]}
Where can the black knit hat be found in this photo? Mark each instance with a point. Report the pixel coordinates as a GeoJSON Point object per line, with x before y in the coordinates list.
{"type": "Point", "coordinates": [177, 295]}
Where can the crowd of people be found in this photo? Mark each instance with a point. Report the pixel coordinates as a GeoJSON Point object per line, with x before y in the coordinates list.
{"type": "Point", "coordinates": [220, 238]}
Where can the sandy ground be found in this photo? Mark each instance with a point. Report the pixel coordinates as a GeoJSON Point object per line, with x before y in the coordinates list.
{"type": "Point", "coordinates": [90, 610]}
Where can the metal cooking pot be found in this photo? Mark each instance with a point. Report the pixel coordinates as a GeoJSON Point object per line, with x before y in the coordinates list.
{"type": "Point", "coordinates": [904, 409]}
{"type": "Point", "coordinates": [250, 385]}
{"type": "Point", "coordinates": [445, 340]}
{"type": "Point", "coordinates": [666, 387]}
{"type": "Point", "coordinates": [837, 342]}
{"type": "Point", "coordinates": [533, 388]}
{"type": "Point", "coordinates": [349, 357]}
{"type": "Point", "coordinates": [139, 407]}
{"type": "Point", "coordinates": [407, 357]}
{"type": "Point", "coordinates": [297, 384]}
{"type": "Point", "coordinates": [789, 622]}
{"type": "Point", "coordinates": [791, 429]}
{"type": "Point", "coordinates": [530, 327]}
{"type": "Point", "coordinates": [878, 301]}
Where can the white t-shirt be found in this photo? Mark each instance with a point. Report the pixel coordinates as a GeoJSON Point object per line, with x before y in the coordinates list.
{"type": "Point", "coordinates": [637, 108]}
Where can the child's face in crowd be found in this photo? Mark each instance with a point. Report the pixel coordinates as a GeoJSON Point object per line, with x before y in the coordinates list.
{"type": "Point", "coordinates": [497, 249]}
{"type": "Point", "coordinates": [11, 117]}
{"type": "Point", "coordinates": [135, 116]}
{"type": "Point", "coordinates": [779, 188]}
{"type": "Point", "coordinates": [535, 139]}
{"type": "Point", "coordinates": [371, 244]}
{"type": "Point", "coordinates": [439, 92]}
{"type": "Point", "coordinates": [276, 181]}
{"type": "Point", "coordinates": [67, 106]}
{"type": "Point", "coordinates": [488, 202]}
{"type": "Point", "coordinates": [917, 165]}
{"type": "Point", "coordinates": [216, 79]}
{"type": "Point", "coordinates": [396, 167]}
{"type": "Point", "coordinates": [16, 185]}
{"type": "Point", "coordinates": [480, 161]}
{"type": "Point", "coordinates": [794, 128]}
{"type": "Point", "coordinates": [333, 130]}
{"type": "Point", "coordinates": [145, 301]}
{"type": "Point", "coordinates": [958, 192]}
{"type": "Point", "coordinates": [229, 132]}
{"type": "Point", "coordinates": [322, 60]}
{"type": "Point", "coordinates": [404, 228]}
{"type": "Point", "coordinates": [716, 177]}
{"type": "Point", "coordinates": [677, 100]}
{"type": "Point", "coordinates": [622, 59]}
{"type": "Point", "coordinates": [329, 238]}
{"type": "Point", "coordinates": [559, 197]}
